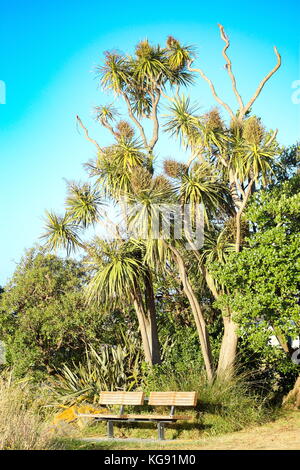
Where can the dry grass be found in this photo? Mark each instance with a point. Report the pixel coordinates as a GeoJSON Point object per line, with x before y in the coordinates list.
{"type": "Point", "coordinates": [283, 434]}
{"type": "Point", "coordinates": [24, 420]}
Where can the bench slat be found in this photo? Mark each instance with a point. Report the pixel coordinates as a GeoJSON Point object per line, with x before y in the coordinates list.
{"type": "Point", "coordinates": [173, 398]}
{"type": "Point", "coordinates": [138, 417]}
{"type": "Point", "coordinates": [98, 415]}
{"type": "Point", "coordinates": [121, 398]}
{"type": "Point", "coordinates": [160, 417]}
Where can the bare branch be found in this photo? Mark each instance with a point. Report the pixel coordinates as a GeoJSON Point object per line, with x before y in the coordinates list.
{"type": "Point", "coordinates": [93, 141]}
{"type": "Point", "coordinates": [109, 127]}
{"type": "Point", "coordinates": [212, 88]}
{"type": "Point", "coordinates": [154, 117]}
{"type": "Point", "coordinates": [234, 189]}
{"type": "Point", "coordinates": [247, 194]}
{"type": "Point", "coordinates": [273, 136]}
{"type": "Point", "coordinates": [239, 215]}
{"type": "Point", "coordinates": [166, 96]}
{"type": "Point", "coordinates": [135, 120]}
{"type": "Point", "coordinates": [229, 66]}
{"type": "Point", "coordinates": [196, 152]}
{"type": "Point", "coordinates": [191, 159]}
{"type": "Point", "coordinates": [239, 186]}
{"type": "Point", "coordinates": [261, 85]}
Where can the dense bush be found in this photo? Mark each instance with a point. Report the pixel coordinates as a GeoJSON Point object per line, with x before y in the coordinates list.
{"type": "Point", "coordinates": [261, 284]}
{"type": "Point", "coordinates": [44, 320]}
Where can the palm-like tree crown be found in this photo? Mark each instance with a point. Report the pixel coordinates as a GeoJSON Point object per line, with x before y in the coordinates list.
{"type": "Point", "coordinates": [61, 232]}
{"type": "Point", "coordinates": [117, 268]}
{"type": "Point", "coordinates": [83, 204]}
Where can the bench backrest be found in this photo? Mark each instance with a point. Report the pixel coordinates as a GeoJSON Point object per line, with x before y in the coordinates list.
{"type": "Point", "coordinates": [173, 398]}
{"type": "Point", "coordinates": [121, 398]}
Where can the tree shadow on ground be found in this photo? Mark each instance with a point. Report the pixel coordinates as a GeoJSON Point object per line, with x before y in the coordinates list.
{"type": "Point", "coordinates": [212, 408]}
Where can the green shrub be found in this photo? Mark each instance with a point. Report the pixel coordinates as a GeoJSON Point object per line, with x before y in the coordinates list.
{"type": "Point", "coordinates": [109, 368]}
{"type": "Point", "coordinates": [44, 319]}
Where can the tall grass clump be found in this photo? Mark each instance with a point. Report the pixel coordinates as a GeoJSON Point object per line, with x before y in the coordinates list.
{"type": "Point", "coordinates": [225, 405]}
{"type": "Point", "coordinates": [24, 418]}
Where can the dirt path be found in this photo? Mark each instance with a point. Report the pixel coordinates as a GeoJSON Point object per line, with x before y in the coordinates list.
{"type": "Point", "coordinates": [284, 434]}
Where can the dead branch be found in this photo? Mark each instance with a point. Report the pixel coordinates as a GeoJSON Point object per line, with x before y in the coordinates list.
{"type": "Point", "coordinates": [261, 85]}
{"type": "Point", "coordinates": [154, 117]}
{"type": "Point", "coordinates": [166, 96]}
{"type": "Point", "coordinates": [229, 66]}
{"type": "Point", "coordinates": [212, 88]}
{"type": "Point", "coordinates": [135, 120]}
{"type": "Point", "coordinates": [239, 186]}
{"type": "Point", "coordinates": [191, 159]}
{"type": "Point", "coordinates": [273, 136]}
{"type": "Point", "coordinates": [109, 127]}
{"type": "Point", "coordinates": [93, 141]}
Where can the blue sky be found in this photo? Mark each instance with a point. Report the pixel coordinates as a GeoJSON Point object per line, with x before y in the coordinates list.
{"type": "Point", "coordinates": [48, 54]}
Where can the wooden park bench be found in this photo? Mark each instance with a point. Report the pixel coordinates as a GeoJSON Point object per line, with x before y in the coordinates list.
{"type": "Point", "coordinates": [161, 399]}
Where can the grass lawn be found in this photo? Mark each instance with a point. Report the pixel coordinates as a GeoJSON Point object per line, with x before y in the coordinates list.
{"type": "Point", "coordinates": [282, 434]}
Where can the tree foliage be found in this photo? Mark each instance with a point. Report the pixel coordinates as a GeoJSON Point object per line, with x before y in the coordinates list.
{"type": "Point", "coordinates": [262, 282]}
{"type": "Point", "coordinates": [44, 320]}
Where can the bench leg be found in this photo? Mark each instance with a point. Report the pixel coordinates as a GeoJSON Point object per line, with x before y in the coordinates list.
{"type": "Point", "coordinates": [110, 429]}
{"type": "Point", "coordinates": [161, 431]}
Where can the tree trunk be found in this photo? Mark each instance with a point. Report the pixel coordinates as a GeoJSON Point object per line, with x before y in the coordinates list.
{"type": "Point", "coordinates": [292, 399]}
{"type": "Point", "coordinates": [229, 341]}
{"type": "Point", "coordinates": [230, 338]}
{"type": "Point", "coordinates": [228, 348]}
{"type": "Point", "coordinates": [238, 232]}
{"type": "Point", "coordinates": [143, 324]}
{"type": "Point", "coordinates": [210, 282]}
{"type": "Point", "coordinates": [197, 312]}
{"type": "Point", "coordinates": [152, 332]}
{"type": "Point", "coordinates": [283, 341]}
